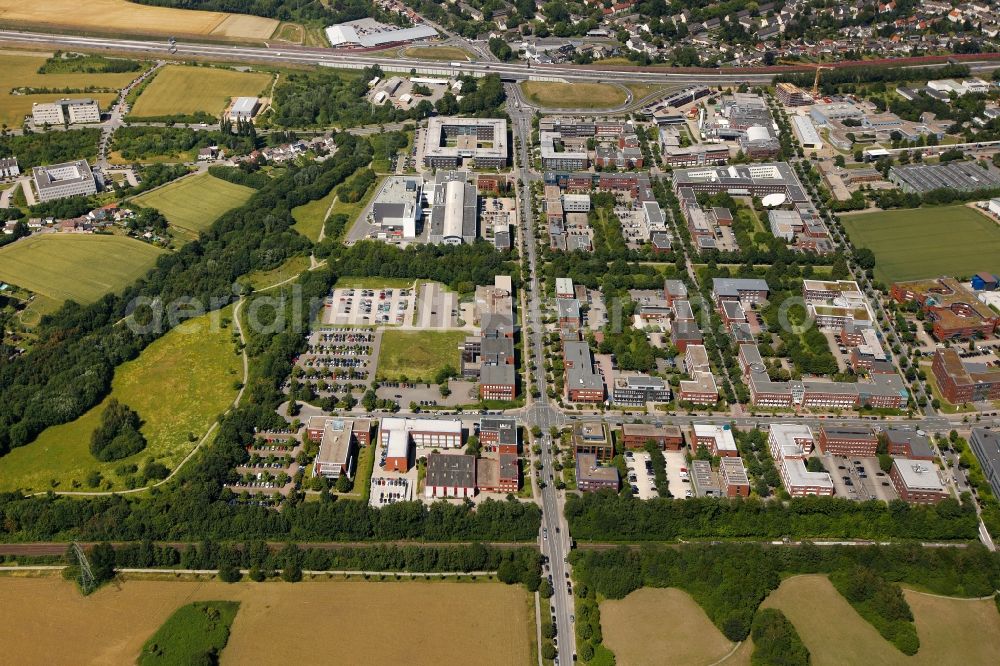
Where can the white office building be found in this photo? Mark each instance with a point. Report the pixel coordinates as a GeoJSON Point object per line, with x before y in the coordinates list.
{"type": "Point", "coordinates": [64, 180]}
{"type": "Point", "coordinates": [66, 111]}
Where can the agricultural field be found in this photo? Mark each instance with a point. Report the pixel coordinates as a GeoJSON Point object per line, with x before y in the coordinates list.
{"type": "Point", "coordinates": [952, 631]}
{"type": "Point", "coordinates": [192, 204]}
{"type": "Point", "coordinates": [418, 355]}
{"type": "Point", "coordinates": [81, 267]}
{"type": "Point", "coordinates": [436, 53]}
{"type": "Point", "coordinates": [276, 623]}
{"type": "Point", "coordinates": [651, 624]}
{"type": "Point", "coordinates": [20, 69]}
{"type": "Point", "coordinates": [573, 95]}
{"type": "Point", "coordinates": [927, 242]}
{"type": "Point", "coordinates": [120, 16]}
{"type": "Point", "coordinates": [193, 369]}
{"type": "Point", "coordinates": [183, 90]}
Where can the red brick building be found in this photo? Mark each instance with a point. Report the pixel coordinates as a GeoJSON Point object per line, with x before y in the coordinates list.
{"type": "Point", "coordinates": [954, 311]}
{"type": "Point", "coordinates": [848, 441]}
{"type": "Point", "coordinates": [917, 481]}
{"type": "Point", "coordinates": [960, 382]}
{"type": "Point", "coordinates": [636, 435]}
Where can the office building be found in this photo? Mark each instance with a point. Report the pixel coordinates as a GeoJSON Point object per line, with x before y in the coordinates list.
{"type": "Point", "coordinates": [594, 438]}
{"type": "Point", "coordinates": [790, 444]}
{"type": "Point", "coordinates": [733, 475]}
{"type": "Point", "coordinates": [985, 443]}
{"type": "Point", "coordinates": [847, 441]}
{"type": "Point", "coordinates": [66, 112]}
{"type": "Point", "coordinates": [917, 481]}
{"type": "Point", "coordinates": [398, 207]}
{"type": "Point", "coordinates": [637, 435]}
{"type": "Point", "coordinates": [59, 181]}
{"type": "Point", "coordinates": [592, 476]}
{"type": "Point", "coordinates": [718, 439]}
{"type": "Point", "coordinates": [450, 140]}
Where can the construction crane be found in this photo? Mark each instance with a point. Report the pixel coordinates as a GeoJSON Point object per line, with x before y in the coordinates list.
{"type": "Point", "coordinates": [818, 68]}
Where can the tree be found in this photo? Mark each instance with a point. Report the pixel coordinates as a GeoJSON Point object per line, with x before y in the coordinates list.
{"type": "Point", "coordinates": [102, 562]}
{"type": "Point", "coordinates": [118, 434]}
{"type": "Point", "coordinates": [229, 572]}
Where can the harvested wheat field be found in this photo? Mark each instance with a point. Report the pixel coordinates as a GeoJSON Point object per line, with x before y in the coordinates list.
{"type": "Point", "coordinates": [46, 621]}
{"type": "Point", "coordinates": [951, 630]}
{"type": "Point", "coordinates": [128, 17]}
{"type": "Point", "coordinates": [666, 626]}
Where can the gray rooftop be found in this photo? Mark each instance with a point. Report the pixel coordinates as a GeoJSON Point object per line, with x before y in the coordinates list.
{"type": "Point", "coordinates": [451, 470]}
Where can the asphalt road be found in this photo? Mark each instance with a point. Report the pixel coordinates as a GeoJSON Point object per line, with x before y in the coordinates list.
{"type": "Point", "coordinates": [555, 539]}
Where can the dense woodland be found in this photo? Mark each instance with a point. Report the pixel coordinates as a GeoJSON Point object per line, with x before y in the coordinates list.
{"type": "Point", "coordinates": [334, 11]}
{"type": "Point", "coordinates": [607, 517]}
{"type": "Point", "coordinates": [325, 97]}
{"type": "Point", "coordinates": [34, 150]}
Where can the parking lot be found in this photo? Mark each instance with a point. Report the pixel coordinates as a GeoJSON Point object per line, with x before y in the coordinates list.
{"type": "Point", "coordinates": [678, 479]}
{"type": "Point", "coordinates": [390, 487]}
{"type": "Point", "coordinates": [859, 478]}
{"type": "Point", "coordinates": [368, 307]}
{"type": "Point", "coordinates": [342, 355]}
{"type": "Point", "coordinates": [640, 474]}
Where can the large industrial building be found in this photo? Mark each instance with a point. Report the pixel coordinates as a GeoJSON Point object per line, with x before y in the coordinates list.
{"type": "Point", "coordinates": [962, 176]}
{"type": "Point", "coordinates": [398, 207]}
{"type": "Point", "coordinates": [399, 435]}
{"type": "Point", "coordinates": [450, 140]}
{"type": "Point", "coordinates": [66, 111]}
{"type": "Point", "coordinates": [367, 33]}
{"type": "Point", "coordinates": [59, 181]}
{"type": "Point", "coordinates": [453, 215]}
{"type": "Point", "coordinates": [756, 180]}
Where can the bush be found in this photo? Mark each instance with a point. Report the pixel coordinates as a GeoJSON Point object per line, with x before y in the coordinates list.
{"type": "Point", "coordinates": [118, 435]}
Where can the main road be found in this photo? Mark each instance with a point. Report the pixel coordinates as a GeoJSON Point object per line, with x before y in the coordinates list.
{"type": "Point", "coordinates": [555, 539]}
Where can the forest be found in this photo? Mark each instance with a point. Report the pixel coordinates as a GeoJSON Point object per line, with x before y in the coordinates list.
{"type": "Point", "coordinates": [136, 143]}
{"type": "Point", "coordinates": [607, 517]}
{"type": "Point", "coordinates": [335, 11]}
{"type": "Point", "coordinates": [34, 150]}
{"type": "Point", "coordinates": [326, 97]}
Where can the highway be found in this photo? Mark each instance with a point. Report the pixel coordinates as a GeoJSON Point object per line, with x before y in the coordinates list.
{"type": "Point", "coordinates": [354, 60]}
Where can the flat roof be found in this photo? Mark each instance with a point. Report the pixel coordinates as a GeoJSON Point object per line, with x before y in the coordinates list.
{"type": "Point", "coordinates": [335, 445]}
{"type": "Point", "coordinates": [918, 474]}
{"type": "Point", "coordinates": [587, 469]}
{"type": "Point", "coordinates": [722, 434]}
{"type": "Point", "coordinates": [453, 470]}
{"type": "Point", "coordinates": [56, 175]}
{"type": "Point", "coordinates": [367, 32]}
{"type": "Point", "coordinates": [438, 126]}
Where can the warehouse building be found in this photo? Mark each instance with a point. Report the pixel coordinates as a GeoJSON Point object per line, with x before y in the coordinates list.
{"type": "Point", "coordinates": [244, 108]}
{"type": "Point", "coordinates": [398, 207]}
{"type": "Point", "coordinates": [450, 475]}
{"type": "Point", "coordinates": [454, 209]}
{"type": "Point", "coordinates": [59, 181]}
{"type": "Point", "coordinates": [368, 33]}
{"type": "Point", "coordinates": [961, 176]}
{"type": "Point", "coordinates": [806, 133]}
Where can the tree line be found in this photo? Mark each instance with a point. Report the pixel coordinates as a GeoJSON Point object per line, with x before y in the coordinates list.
{"type": "Point", "coordinates": [605, 516]}
{"type": "Point", "coordinates": [33, 149]}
